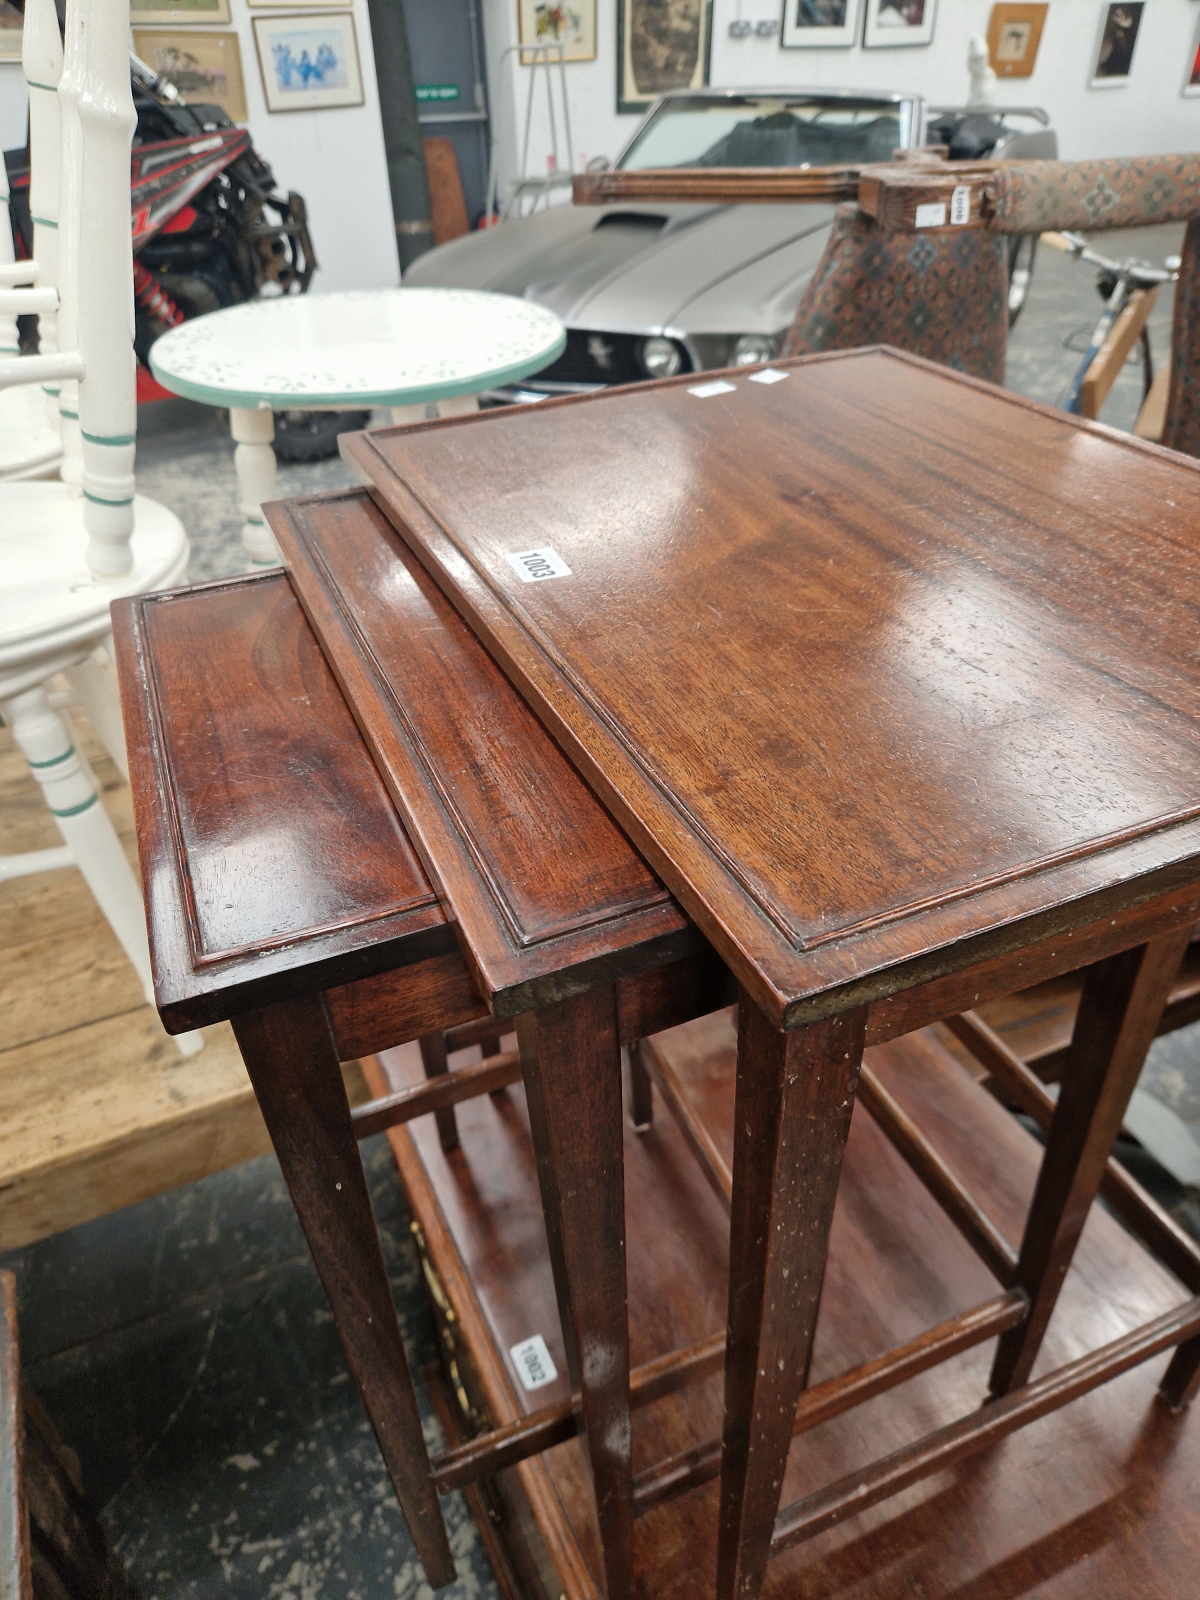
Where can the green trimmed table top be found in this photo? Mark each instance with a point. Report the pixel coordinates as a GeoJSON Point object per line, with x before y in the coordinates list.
{"type": "Point", "coordinates": [358, 347]}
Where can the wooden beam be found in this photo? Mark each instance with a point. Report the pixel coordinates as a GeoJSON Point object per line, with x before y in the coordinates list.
{"type": "Point", "coordinates": [1111, 356]}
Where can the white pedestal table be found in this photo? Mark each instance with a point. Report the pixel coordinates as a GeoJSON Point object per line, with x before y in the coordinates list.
{"type": "Point", "coordinates": [410, 349]}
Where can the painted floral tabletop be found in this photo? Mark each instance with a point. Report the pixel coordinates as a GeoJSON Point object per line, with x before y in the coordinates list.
{"type": "Point", "coordinates": [359, 347]}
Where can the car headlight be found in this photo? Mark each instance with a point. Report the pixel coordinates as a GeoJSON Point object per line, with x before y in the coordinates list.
{"type": "Point", "coordinates": [660, 358]}
{"type": "Point", "coordinates": [752, 348]}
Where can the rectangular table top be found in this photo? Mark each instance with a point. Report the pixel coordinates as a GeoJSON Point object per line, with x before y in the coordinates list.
{"type": "Point", "coordinates": [872, 662]}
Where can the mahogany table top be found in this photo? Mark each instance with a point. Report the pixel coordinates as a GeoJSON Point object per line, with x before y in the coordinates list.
{"type": "Point", "coordinates": [880, 667]}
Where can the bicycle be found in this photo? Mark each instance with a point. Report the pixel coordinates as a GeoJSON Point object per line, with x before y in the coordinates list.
{"type": "Point", "coordinates": [1117, 282]}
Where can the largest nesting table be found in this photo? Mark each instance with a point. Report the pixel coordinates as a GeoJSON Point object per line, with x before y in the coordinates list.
{"type": "Point", "coordinates": [889, 676]}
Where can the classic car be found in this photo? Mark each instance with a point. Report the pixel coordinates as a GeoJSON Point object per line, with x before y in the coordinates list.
{"type": "Point", "coordinates": [648, 291]}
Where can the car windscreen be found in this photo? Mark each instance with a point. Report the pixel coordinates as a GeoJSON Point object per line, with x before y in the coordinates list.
{"type": "Point", "coordinates": [767, 131]}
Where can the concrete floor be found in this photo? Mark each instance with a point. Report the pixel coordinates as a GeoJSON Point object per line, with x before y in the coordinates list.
{"type": "Point", "coordinates": [183, 1345]}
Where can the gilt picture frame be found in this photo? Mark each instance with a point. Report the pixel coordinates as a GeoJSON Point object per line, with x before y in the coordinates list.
{"type": "Point", "coordinates": [894, 24]}
{"type": "Point", "coordinates": [571, 23]}
{"type": "Point", "coordinates": [182, 13]}
{"type": "Point", "coordinates": [206, 68]}
{"type": "Point", "coordinates": [12, 25]}
{"type": "Point", "coordinates": [820, 24]}
{"type": "Point", "coordinates": [661, 45]}
{"type": "Point", "coordinates": [1013, 38]}
{"type": "Point", "coordinates": [309, 62]}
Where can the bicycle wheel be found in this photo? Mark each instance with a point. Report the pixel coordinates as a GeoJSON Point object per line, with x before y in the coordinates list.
{"type": "Point", "coordinates": [1022, 253]}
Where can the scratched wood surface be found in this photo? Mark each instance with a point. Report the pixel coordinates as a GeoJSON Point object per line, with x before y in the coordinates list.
{"type": "Point", "coordinates": [1096, 1503]}
{"type": "Point", "coordinates": [867, 662]}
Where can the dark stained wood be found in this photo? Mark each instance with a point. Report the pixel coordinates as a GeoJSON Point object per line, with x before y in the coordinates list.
{"type": "Point", "coordinates": [1119, 1010]}
{"type": "Point", "coordinates": [1181, 1381]}
{"type": "Point", "coordinates": [667, 995]}
{"type": "Point", "coordinates": [726, 731]}
{"type": "Point", "coordinates": [715, 185]}
{"type": "Point", "coordinates": [433, 1058]}
{"type": "Point", "coordinates": [795, 1094]}
{"type": "Point", "coordinates": [830, 1399]}
{"type": "Point", "coordinates": [641, 1089]}
{"type": "Point", "coordinates": [52, 1546]}
{"type": "Point", "coordinates": [976, 1227]}
{"type": "Point", "coordinates": [889, 193]}
{"type": "Point", "coordinates": [548, 896]}
{"type": "Point", "coordinates": [1095, 1504]}
{"type": "Point", "coordinates": [570, 1060]}
{"type": "Point", "coordinates": [374, 1012]}
{"type": "Point", "coordinates": [661, 1073]}
{"type": "Point", "coordinates": [293, 1064]}
{"type": "Point", "coordinates": [954, 1443]}
{"type": "Point", "coordinates": [464, 1083]}
{"type": "Point", "coordinates": [1139, 1211]}
{"type": "Point", "coordinates": [485, 1033]}
{"type": "Point", "coordinates": [242, 910]}
{"type": "Point", "coordinates": [15, 1579]}
{"type": "Point", "coordinates": [517, 1441]}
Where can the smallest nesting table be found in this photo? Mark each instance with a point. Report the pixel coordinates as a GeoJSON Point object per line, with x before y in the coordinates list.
{"type": "Point", "coordinates": [403, 348]}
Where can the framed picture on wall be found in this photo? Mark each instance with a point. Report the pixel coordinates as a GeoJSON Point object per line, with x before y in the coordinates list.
{"type": "Point", "coordinates": [206, 68]}
{"type": "Point", "coordinates": [811, 24]}
{"type": "Point", "coordinates": [1191, 84]}
{"type": "Point", "coordinates": [570, 23]}
{"type": "Point", "coordinates": [11, 22]}
{"type": "Point", "coordinates": [296, 5]}
{"type": "Point", "coordinates": [661, 45]}
{"type": "Point", "coordinates": [1013, 36]}
{"type": "Point", "coordinates": [1119, 26]}
{"type": "Point", "coordinates": [898, 22]}
{"type": "Point", "coordinates": [145, 13]}
{"type": "Point", "coordinates": [309, 63]}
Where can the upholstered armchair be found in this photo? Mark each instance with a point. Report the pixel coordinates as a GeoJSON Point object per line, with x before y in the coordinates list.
{"type": "Point", "coordinates": [942, 292]}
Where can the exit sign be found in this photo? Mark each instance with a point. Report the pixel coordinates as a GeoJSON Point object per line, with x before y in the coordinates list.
{"type": "Point", "coordinates": [437, 91]}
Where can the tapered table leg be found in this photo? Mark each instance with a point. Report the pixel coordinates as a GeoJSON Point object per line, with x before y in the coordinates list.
{"type": "Point", "coordinates": [795, 1094]}
{"type": "Point", "coordinates": [1119, 1010]}
{"type": "Point", "coordinates": [433, 1059]}
{"type": "Point", "coordinates": [571, 1063]}
{"type": "Point", "coordinates": [292, 1060]}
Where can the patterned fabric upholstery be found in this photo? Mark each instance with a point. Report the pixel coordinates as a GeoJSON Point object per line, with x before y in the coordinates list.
{"type": "Point", "coordinates": [1130, 192]}
{"type": "Point", "coordinates": [1181, 428]}
{"type": "Point", "coordinates": [941, 294]}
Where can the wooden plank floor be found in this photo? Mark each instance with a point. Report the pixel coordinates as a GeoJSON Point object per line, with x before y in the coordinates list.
{"type": "Point", "coordinates": [97, 1107]}
{"type": "Point", "coordinates": [1098, 1502]}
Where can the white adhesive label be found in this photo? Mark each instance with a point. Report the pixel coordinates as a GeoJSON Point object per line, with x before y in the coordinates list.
{"type": "Point", "coordinates": [960, 205]}
{"type": "Point", "coordinates": [532, 566]}
{"type": "Point", "coordinates": [703, 391]}
{"type": "Point", "coordinates": [532, 1361]}
{"type": "Point", "coordinates": [768, 375]}
{"type": "Point", "coordinates": [932, 214]}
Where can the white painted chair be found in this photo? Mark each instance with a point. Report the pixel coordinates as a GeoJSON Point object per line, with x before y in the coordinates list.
{"type": "Point", "coordinates": [29, 441]}
{"type": "Point", "coordinates": [67, 549]}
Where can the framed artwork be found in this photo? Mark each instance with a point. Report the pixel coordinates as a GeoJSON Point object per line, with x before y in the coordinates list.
{"type": "Point", "coordinates": [148, 12]}
{"type": "Point", "coordinates": [809, 24]}
{"type": "Point", "coordinates": [1191, 84]}
{"type": "Point", "coordinates": [1118, 34]}
{"type": "Point", "coordinates": [898, 22]}
{"type": "Point", "coordinates": [206, 68]}
{"type": "Point", "coordinates": [309, 63]}
{"type": "Point", "coordinates": [661, 45]}
{"type": "Point", "coordinates": [1013, 36]}
{"type": "Point", "coordinates": [11, 22]}
{"type": "Point", "coordinates": [571, 23]}
{"type": "Point", "coordinates": [296, 5]}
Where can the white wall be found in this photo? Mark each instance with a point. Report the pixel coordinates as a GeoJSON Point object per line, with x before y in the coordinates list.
{"type": "Point", "coordinates": [335, 159]}
{"type": "Point", "coordinates": [1147, 115]}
